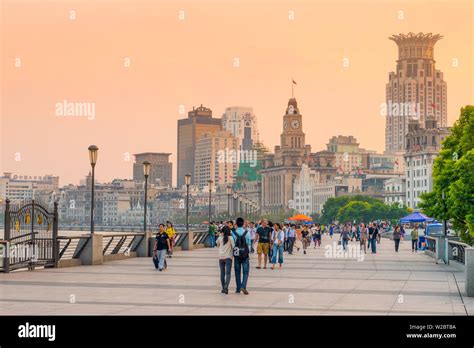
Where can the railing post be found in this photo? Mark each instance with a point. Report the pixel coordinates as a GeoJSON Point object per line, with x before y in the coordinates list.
{"type": "Point", "coordinates": [55, 236]}
{"type": "Point", "coordinates": [188, 243]}
{"type": "Point", "coordinates": [6, 265]}
{"type": "Point", "coordinates": [469, 269]}
{"type": "Point", "coordinates": [93, 250]}
{"type": "Point", "coordinates": [441, 246]}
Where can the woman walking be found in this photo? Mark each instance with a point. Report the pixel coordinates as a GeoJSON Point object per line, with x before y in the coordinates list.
{"type": "Point", "coordinates": [364, 233]}
{"type": "Point", "coordinates": [396, 237]}
{"type": "Point", "coordinates": [278, 238]}
{"type": "Point", "coordinates": [171, 232]}
{"type": "Point", "coordinates": [305, 238]}
{"type": "Point", "coordinates": [317, 236]}
{"type": "Point", "coordinates": [226, 246]}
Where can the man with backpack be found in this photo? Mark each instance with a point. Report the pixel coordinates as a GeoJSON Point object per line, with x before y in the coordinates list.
{"type": "Point", "coordinates": [241, 256]}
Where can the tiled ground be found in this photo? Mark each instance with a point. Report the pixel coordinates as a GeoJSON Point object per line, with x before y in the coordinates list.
{"type": "Point", "coordinates": [383, 284]}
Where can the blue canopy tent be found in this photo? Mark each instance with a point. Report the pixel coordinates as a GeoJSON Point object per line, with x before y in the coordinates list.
{"type": "Point", "coordinates": [415, 217]}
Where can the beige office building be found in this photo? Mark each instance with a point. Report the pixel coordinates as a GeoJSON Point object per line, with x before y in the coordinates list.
{"type": "Point", "coordinates": [198, 122]}
{"type": "Point", "coordinates": [216, 159]}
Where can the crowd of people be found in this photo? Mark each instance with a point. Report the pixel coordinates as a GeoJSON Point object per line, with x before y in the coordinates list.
{"type": "Point", "coordinates": [236, 240]}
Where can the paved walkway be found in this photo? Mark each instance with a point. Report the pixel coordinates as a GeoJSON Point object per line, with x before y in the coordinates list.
{"type": "Point", "coordinates": [383, 284]}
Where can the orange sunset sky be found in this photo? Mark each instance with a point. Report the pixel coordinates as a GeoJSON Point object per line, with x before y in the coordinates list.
{"type": "Point", "coordinates": [190, 62]}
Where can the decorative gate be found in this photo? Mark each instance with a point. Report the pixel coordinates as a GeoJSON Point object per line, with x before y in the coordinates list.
{"type": "Point", "coordinates": [31, 235]}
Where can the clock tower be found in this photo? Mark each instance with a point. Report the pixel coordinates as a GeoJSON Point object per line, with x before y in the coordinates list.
{"type": "Point", "coordinates": [292, 136]}
{"type": "Point", "coordinates": [281, 168]}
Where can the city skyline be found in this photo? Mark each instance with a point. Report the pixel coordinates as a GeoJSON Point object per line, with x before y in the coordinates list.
{"type": "Point", "coordinates": [136, 108]}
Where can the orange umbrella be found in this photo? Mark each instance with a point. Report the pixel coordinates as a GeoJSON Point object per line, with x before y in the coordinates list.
{"type": "Point", "coordinates": [300, 217]}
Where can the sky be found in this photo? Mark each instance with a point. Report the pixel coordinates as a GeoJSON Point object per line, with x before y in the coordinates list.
{"type": "Point", "coordinates": [139, 63]}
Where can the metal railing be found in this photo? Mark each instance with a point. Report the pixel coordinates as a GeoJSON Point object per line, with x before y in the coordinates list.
{"type": "Point", "coordinates": [457, 251]}
{"type": "Point", "coordinates": [121, 243]}
{"type": "Point", "coordinates": [71, 247]}
{"type": "Point", "coordinates": [431, 244]}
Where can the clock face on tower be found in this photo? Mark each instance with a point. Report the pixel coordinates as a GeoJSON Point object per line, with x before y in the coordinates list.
{"type": "Point", "coordinates": [295, 124]}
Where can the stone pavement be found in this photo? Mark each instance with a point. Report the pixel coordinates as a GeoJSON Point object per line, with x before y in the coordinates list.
{"type": "Point", "coordinates": [387, 283]}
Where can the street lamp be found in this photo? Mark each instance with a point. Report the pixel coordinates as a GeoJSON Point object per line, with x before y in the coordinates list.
{"type": "Point", "coordinates": [93, 160]}
{"type": "Point", "coordinates": [229, 192]}
{"type": "Point", "coordinates": [187, 182]}
{"type": "Point", "coordinates": [235, 202]}
{"type": "Point", "coordinates": [146, 173]}
{"type": "Point", "coordinates": [210, 182]}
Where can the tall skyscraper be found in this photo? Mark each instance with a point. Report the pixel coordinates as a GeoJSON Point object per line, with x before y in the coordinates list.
{"type": "Point", "coordinates": [242, 123]}
{"type": "Point", "coordinates": [216, 159]}
{"type": "Point", "coordinates": [161, 168]}
{"type": "Point", "coordinates": [198, 122]}
{"type": "Point", "coordinates": [415, 91]}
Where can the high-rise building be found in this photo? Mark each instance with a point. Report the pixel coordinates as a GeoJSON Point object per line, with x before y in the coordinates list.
{"type": "Point", "coordinates": [423, 146]}
{"type": "Point", "coordinates": [281, 168]}
{"type": "Point", "coordinates": [216, 159]}
{"type": "Point", "coordinates": [415, 91]}
{"type": "Point", "coordinates": [242, 123]}
{"type": "Point", "coordinates": [198, 122]}
{"type": "Point", "coordinates": [161, 170]}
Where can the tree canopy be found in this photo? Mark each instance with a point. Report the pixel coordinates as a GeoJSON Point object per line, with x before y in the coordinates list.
{"type": "Point", "coordinates": [453, 174]}
{"type": "Point", "coordinates": [360, 208]}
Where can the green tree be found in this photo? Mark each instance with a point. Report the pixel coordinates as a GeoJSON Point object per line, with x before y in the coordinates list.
{"type": "Point", "coordinates": [354, 210]}
{"type": "Point", "coordinates": [453, 175]}
{"type": "Point", "coordinates": [332, 206]}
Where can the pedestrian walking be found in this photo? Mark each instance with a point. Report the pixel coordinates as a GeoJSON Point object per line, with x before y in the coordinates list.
{"type": "Point", "coordinates": [241, 256]}
{"type": "Point", "coordinates": [345, 236]}
{"type": "Point", "coordinates": [162, 245]}
{"type": "Point", "coordinates": [305, 238]}
{"type": "Point", "coordinates": [291, 238]}
{"type": "Point", "coordinates": [263, 236]}
{"type": "Point", "coordinates": [226, 246]}
{"type": "Point", "coordinates": [396, 238]}
{"type": "Point", "coordinates": [373, 233]}
{"type": "Point", "coordinates": [212, 234]}
{"type": "Point", "coordinates": [171, 232]}
{"type": "Point", "coordinates": [252, 230]}
{"type": "Point", "coordinates": [278, 238]}
{"type": "Point", "coordinates": [414, 239]}
{"type": "Point", "coordinates": [364, 233]}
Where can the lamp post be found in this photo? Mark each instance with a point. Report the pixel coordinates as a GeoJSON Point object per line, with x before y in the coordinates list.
{"type": "Point", "coordinates": [235, 202]}
{"type": "Point", "coordinates": [210, 182]}
{"type": "Point", "coordinates": [146, 173]}
{"type": "Point", "coordinates": [229, 192]}
{"type": "Point", "coordinates": [93, 160]}
{"type": "Point", "coordinates": [187, 182]}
